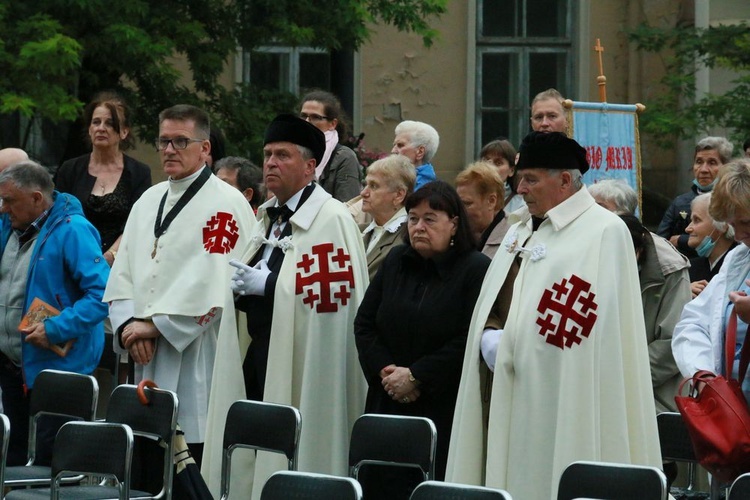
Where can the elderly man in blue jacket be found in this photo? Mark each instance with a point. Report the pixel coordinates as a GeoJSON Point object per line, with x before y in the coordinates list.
{"type": "Point", "coordinates": [48, 251]}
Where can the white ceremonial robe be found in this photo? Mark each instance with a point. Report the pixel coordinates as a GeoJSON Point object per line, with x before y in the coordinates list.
{"type": "Point", "coordinates": [558, 398]}
{"type": "Point", "coordinates": [184, 288]}
{"type": "Point", "coordinates": [312, 359]}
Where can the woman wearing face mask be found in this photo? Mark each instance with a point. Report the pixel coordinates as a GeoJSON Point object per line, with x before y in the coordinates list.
{"type": "Point", "coordinates": [710, 154]}
{"type": "Point", "coordinates": [339, 173]}
{"type": "Point", "coordinates": [711, 240]}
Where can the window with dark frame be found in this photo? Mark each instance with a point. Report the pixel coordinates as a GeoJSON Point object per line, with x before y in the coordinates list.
{"type": "Point", "coordinates": [523, 47]}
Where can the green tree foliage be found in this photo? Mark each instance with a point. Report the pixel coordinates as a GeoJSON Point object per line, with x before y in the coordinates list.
{"type": "Point", "coordinates": [674, 109]}
{"type": "Point", "coordinates": [55, 54]}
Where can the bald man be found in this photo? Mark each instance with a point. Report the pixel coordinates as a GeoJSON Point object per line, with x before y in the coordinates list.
{"type": "Point", "coordinates": [10, 156]}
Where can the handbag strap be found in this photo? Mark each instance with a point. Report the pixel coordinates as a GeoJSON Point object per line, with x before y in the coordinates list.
{"type": "Point", "coordinates": [729, 344]}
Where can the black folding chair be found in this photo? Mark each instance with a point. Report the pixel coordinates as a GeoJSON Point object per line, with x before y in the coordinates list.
{"type": "Point", "coordinates": [740, 489]}
{"type": "Point", "coordinates": [438, 490]}
{"type": "Point", "coordinates": [153, 426]}
{"type": "Point", "coordinates": [676, 445]}
{"type": "Point", "coordinates": [57, 397]}
{"type": "Point", "coordinates": [4, 441]}
{"type": "Point", "coordinates": [386, 449]}
{"type": "Point", "coordinates": [94, 449]}
{"type": "Point", "coordinates": [284, 485]}
{"type": "Point", "coordinates": [609, 481]}
{"type": "Point", "coordinates": [260, 426]}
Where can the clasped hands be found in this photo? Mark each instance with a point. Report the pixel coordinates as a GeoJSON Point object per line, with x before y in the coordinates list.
{"type": "Point", "coordinates": [139, 338]}
{"type": "Point", "coordinates": [249, 280]}
{"type": "Point", "coordinates": [396, 383]}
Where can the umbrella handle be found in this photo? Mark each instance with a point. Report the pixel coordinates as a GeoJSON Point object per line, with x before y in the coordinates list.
{"type": "Point", "coordinates": [142, 393]}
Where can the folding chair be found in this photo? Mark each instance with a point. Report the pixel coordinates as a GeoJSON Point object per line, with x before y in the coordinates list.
{"type": "Point", "coordinates": [260, 426]}
{"type": "Point", "coordinates": [284, 485]}
{"type": "Point", "coordinates": [609, 481]}
{"type": "Point", "coordinates": [438, 490]}
{"type": "Point", "coordinates": [740, 489]}
{"type": "Point", "coordinates": [62, 396]}
{"type": "Point", "coordinates": [676, 445]}
{"type": "Point", "coordinates": [153, 426]}
{"type": "Point", "coordinates": [4, 441]}
{"type": "Point", "coordinates": [95, 449]}
{"type": "Point", "coordinates": [395, 442]}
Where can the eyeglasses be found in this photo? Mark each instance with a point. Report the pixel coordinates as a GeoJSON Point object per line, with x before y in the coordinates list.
{"type": "Point", "coordinates": [177, 143]}
{"type": "Point", "coordinates": [313, 117]}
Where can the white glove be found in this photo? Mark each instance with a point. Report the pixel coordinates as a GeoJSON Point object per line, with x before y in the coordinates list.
{"type": "Point", "coordinates": [490, 341]}
{"type": "Point", "coordinates": [249, 280]}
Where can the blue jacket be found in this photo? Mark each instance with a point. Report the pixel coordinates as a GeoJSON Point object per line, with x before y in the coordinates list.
{"type": "Point", "coordinates": [425, 174]}
{"type": "Point", "coordinates": [67, 271]}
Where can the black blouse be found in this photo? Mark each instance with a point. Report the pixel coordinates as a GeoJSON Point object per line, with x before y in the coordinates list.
{"type": "Point", "coordinates": [107, 213]}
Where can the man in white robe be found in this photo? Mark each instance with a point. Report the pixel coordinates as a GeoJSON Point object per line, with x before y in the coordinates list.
{"type": "Point", "coordinates": [560, 321]}
{"type": "Point", "coordinates": [167, 288]}
{"type": "Point", "coordinates": [307, 270]}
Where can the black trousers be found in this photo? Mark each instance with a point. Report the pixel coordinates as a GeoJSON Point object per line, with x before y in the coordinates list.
{"type": "Point", "coordinates": [16, 408]}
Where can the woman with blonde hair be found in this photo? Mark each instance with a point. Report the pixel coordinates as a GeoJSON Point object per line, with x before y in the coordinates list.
{"type": "Point", "coordinates": [698, 340]}
{"type": "Point", "coordinates": [388, 182]}
{"type": "Point", "coordinates": [711, 239]}
{"type": "Point", "coordinates": [481, 190]}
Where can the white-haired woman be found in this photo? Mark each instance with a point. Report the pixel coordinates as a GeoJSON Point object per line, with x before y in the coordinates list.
{"type": "Point", "coordinates": [419, 142]}
{"type": "Point", "coordinates": [711, 240]}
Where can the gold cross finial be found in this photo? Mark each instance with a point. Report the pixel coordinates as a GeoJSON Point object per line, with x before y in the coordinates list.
{"type": "Point", "coordinates": [599, 48]}
{"type": "Point", "coordinates": [601, 79]}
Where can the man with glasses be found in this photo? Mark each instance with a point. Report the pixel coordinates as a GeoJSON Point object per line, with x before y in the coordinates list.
{"type": "Point", "coordinates": [167, 289]}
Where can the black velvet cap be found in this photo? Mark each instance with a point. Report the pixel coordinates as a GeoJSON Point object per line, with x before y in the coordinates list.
{"type": "Point", "coordinates": [551, 150]}
{"type": "Point", "coordinates": [290, 128]}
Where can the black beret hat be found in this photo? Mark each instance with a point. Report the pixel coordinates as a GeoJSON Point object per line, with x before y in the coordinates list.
{"type": "Point", "coordinates": [290, 128]}
{"type": "Point", "coordinates": [551, 150]}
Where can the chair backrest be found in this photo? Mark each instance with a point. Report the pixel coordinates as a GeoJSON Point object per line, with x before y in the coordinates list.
{"type": "Point", "coordinates": [71, 396]}
{"type": "Point", "coordinates": [284, 485]}
{"type": "Point", "coordinates": [438, 490]}
{"type": "Point", "coordinates": [4, 440]}
{"type": "Point", "coordinates": [674, 438]}
{"type": "Point", "coordinates": [156, 420]}
{"type": "Point", "coordinates": [675, 443]}
{"type": "Point", "coordinates": [740, 489]}
{"type": "Point", "coordinates": [96, 448]}
{"type": "Point", "coordinates": [609, 481]}
{"type": "Point", "coordinates": [393, 440]}
{"type": "Point", "coordinates": [261, 426]}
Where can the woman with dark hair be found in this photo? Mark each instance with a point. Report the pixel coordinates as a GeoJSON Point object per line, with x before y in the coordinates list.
{"type": "Point", "coordinates": [339, 173]}
{"type": "Point", "coordinates": [412, 325]}
{"type": "Point", "coordinates": [502, 155]}
{"type": "Point", "coordinates": [106, 181]}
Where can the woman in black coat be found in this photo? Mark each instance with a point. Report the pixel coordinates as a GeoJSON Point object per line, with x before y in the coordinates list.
{"type": "Point", "coordinates": [412, 325]}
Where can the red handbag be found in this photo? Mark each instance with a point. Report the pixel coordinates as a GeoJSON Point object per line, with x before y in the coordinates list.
{"type": "Point", "coordinates": [718, 418]}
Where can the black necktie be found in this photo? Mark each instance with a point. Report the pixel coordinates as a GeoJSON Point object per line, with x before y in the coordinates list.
{"type": "Point", "coordinates": [279, 215]}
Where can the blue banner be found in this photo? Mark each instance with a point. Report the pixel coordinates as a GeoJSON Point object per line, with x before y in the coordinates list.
{"type": "Point", "coordinates": [609, 132]}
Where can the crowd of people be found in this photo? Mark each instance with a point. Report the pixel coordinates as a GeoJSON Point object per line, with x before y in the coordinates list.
{"type": "Point", "coordinates": [488, 307]}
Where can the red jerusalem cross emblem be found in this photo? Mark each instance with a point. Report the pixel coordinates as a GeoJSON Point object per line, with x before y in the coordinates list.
{"type": "Point", "coordinates": [567, 312]}
{"type": "Point", "coordinates": [220, 233]}
{"type": "Point", "coordinates": [325, 278]}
